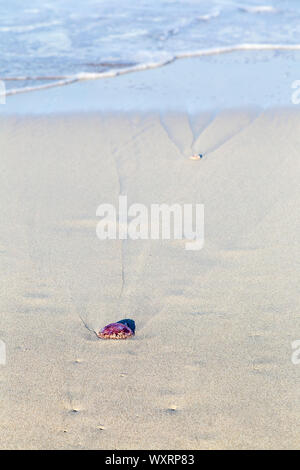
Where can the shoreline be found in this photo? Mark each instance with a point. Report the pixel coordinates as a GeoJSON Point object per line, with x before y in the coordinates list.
{"type": "Point", "coordinates": [86, 76]}
{"type": "Point", "coordinates": [199, 84]}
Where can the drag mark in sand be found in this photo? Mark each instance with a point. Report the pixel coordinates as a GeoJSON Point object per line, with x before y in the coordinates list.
{"type": "Point", "coordinates": [86, 325]}
{"type": "Point", "coordinates": [231, 134]}
{"type": "Point", "coordinates": [197, 131]}
{"type": "Point", "coordinates": [122, 241]}
{"type": "Point", "coordinates": [117, 153]}
{"type": "Point", "coordinates": [172, 134]}
{"type": "Point", "coordinates": [193, 131]}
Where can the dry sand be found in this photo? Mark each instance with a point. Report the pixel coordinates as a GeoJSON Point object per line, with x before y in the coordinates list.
{"type": "Point", "coordinates": [210, 366]}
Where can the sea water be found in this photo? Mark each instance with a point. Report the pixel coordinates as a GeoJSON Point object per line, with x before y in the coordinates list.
{"type": "Point", "coordinates": [42, 42]}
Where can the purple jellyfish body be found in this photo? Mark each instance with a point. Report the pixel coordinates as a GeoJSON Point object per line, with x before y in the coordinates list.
{"type": "Point", "coordinates": [121, 330]}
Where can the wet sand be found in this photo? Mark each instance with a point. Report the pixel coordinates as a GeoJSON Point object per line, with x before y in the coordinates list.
{"type": "Point", "coordinates": [210, 366]}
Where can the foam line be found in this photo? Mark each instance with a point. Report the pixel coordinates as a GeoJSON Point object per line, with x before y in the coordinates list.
{"type": "Point", "coordinates": [23, 79]}
{"type": "Point", "coordinates": [67, 80]}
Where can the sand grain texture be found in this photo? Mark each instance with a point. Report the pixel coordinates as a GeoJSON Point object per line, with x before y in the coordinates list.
{"type": "Point", "coordinates": [210, 365]}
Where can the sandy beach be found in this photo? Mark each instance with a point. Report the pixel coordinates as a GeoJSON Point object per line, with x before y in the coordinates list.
{"type": "Point", "coordinates": [210, 366]}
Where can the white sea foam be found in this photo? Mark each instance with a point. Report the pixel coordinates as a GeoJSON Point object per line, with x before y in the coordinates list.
{"type": "Point", "coordinates": [64, 38]}
{"type": "Point", "coordinates": [258, 9]}
{"type": "Point", "coordinates": [209, 16]}
{"type": "Point", "coordinates": [27, 28]}
{"type": "Point", "coordinates": [125, 35]}
{"type": "Point", "coordinates": [84, 76]}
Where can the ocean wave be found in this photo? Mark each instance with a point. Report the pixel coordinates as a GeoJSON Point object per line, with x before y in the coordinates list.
{"type": "Point", "coordinates": [209, 16]}
{"type": "Point", "coordinates": [124, 35]}
{"type": "Point", "coordinates": [85, 76]}
{"type": "Point", "coordinates": [183, 25]}
{"type": "Point", "coordinates": [27, 28]}
{"type": "Point", "coordinates": [258, 9]}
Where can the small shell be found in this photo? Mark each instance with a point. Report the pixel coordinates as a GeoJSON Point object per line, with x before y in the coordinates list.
{"type": "Point", "coordinates": [196, 156]}
{"type": "Point", "coordinates": [121, 330]}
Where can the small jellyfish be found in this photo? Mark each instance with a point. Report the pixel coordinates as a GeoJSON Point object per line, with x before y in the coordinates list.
{"type": "Point", "coordinates": [196, 156]}
{"type": "Point", "coordinates": [120, 330]}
